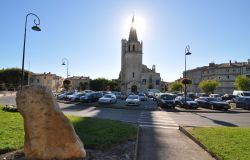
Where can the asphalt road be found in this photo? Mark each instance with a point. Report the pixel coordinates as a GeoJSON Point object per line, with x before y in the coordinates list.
{"type": "Point", "coordinates": [201, 117]}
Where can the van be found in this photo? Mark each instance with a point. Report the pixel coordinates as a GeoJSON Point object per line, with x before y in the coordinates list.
{"type": "Point", "coordinates": [241, 93]}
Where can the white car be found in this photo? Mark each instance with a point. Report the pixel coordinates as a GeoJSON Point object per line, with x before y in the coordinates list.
{"type": "Point", "coordinates": [108, 98]}
{"type": "Point", "coordinates": [133, 100]}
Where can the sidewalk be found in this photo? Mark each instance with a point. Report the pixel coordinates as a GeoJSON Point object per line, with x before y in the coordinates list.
{"type": "Point", "coordinates": [168, 144]}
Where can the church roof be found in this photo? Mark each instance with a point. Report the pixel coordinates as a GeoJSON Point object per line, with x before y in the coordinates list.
{"type": "Point", "coordinates": [132, 32]}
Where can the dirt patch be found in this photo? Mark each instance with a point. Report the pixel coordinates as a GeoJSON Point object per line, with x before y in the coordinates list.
{"type": "Point", "coordinates": [124, 151]}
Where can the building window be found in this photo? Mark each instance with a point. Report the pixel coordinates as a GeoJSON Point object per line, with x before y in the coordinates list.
{"type": "Point", "coordinates": [227, 70]}
{"type": "Point", "coordinates": [44, 77]}
{"type": "Point", "coordinates": [133, 47]}
{"type": "Point", "coordinates": [144, 81]}
{"type": "Point", "coordinates": [219, 77]}
{"type": "Point", "coordinates": [133, 74]}
{"type": "Point", "coordinates": [227, 76]}
{"type": "Point", "coordinates": [37, 80]}
{"type": "Point", "coordinates": [157, 82]}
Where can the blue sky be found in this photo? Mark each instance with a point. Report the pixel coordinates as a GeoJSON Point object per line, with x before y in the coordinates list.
{"type": "Point", "coordinates": [88, 33]}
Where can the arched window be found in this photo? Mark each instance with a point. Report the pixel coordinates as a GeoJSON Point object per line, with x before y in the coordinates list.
{"type": "Point", "coordinates": [133, 74]}
{"type": "Point", "coordinates": [133, 47]}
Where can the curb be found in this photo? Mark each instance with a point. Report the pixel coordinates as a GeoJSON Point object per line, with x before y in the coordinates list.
{"type": "Point", "coordinates": [184, 131]}
{"type": "Point", "coordinates": [137, 142]}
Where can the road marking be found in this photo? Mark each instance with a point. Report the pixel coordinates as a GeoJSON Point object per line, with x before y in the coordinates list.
{"type": "Point", "coordinates": [158, 119]}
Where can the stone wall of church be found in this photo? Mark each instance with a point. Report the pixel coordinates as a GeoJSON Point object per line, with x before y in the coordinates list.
{"type": "Point", "coordinates": [150, 79]}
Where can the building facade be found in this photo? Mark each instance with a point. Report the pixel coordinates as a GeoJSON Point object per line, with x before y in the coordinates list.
{"type": "Point", "coordinates": [49, 80]}
{"type": "Point", "coordinates": [79, 82]}
{"type": "Point", "coordinates": [135, 76]}
{"type": "Point", "coordinates": [224, 73]}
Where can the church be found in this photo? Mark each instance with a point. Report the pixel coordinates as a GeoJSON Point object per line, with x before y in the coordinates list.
{"type": "Point", "coordinates": [135, 76]}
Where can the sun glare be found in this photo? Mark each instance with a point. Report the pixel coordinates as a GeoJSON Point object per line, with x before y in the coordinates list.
{"type": "Point", "coordinates": [138, 24]}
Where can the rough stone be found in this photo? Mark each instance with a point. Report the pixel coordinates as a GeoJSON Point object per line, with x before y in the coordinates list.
{"type": "Point", "coordinates": [48, 133]}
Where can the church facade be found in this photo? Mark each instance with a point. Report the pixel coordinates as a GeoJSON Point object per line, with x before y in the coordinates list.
{"type": "Point", "coordinates": [135, 76]}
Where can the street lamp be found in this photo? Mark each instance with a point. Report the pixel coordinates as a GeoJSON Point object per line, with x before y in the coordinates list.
{"type": "Point", "coordinates": [63, 63]}
{"type": "Point", "coordinates": [185, 73]}
{"type": "Point", "coordinates": [35, 28]}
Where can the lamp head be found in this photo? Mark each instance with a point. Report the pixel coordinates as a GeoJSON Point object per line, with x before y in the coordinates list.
{"type": "Point", "coordinates": [36, 28]}
{"type": "Point", "coordinates": [63, 63]}
{"type": "Point", "coordinates": [188, 53]}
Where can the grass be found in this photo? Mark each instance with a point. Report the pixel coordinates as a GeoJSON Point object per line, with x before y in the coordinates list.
{"type": "Point", "coordinates": [11, 131]}
{"type": "Point", "coordinates": [228, 143]}
{"type": "Point", "coordinates": [95, 133]}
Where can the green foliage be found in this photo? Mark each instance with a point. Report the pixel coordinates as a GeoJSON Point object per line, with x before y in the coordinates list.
{"type": "Point", "coordinates": [67, 84]}
{"type": "Point", "coordinates": [208, 86]}
{"type": "Point", "coordinates": [176, 86]}
{"type": "Point", "coordinates": [83, 86]}
{"type": "Point", "coordinates": [186, 81]}
{"type": "Point", "coordinates": [10, 78]}
{"type": "Point", "coordinates": [242, 83]}
{"type": "Point", "coordinates": [229, 143]}
{"type": "Point", "coordinates": [102, 84]}
{"type": "Point", "coordinates": [101, 133]}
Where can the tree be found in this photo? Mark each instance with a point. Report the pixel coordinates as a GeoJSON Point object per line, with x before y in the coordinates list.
{"type": "Point", "coordinates": [176, 86]}
{"type": "Point", "coordinates": [186, 81]}
{"type": "Point", "coordinates": [99, 84]}
{"type": "Point", "coordinates": [208, 86]}
{"type": "Point", "coordinates": [113, 85]}
{"type": "Point", "coordinates": [10, 78]}
{"type": "Point", "coordinates": [242, 83]}
{"type": "Point", "coordinates": [83, 86]}
{"type": "Point", "coordinates": [67, 84]}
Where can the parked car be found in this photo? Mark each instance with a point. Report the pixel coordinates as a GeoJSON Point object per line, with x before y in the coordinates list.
{"type": "Point", "coordinates": [165, 100]}
{"type": "Point", "coordinates": [212, 103]}
{"type": "Point", "coordinates": [241, 93]}
{"type": "Point", "coordinates": [143, 97]}
{"type": "Point", "coordinates": [216, 96]}
{"type": "Point", "coordinates": [190, 103]}
{"type": "Point", "coordinates": [64, 95]}
{"type": "Point", "coordinates": [91, 97]}
{"type": "Point", "coordinates": [227, 97]}
{"type": "Point", "coordinates": [132, 100]}
{"type": "Point", "coordinates": [76, 97]}
{"type": "Point", "coordinates": [108, 98]}
{"type": "Point", "coordinates": [241, 102]}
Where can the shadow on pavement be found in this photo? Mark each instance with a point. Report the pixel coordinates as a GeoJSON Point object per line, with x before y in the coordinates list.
{"type": "Point", "coordinates": [223, 123]}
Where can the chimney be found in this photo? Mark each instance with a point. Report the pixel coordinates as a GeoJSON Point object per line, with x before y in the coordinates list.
{"type": "Point", "coordinates": [212, 64]}
{"type": "Point", "coordinates": [153, 68]}
{"type": "Point", "coordinates": [230, 62]}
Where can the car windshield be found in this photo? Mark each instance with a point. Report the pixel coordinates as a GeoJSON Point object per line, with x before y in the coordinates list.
{"type": "Point", "coordinates": [187, 99]}
{"type": "Point", "coordinates": [141, 94]}
{"type": "Point", "coordinates": [246, 94]}
{"type": "Point", "coordinates": [212, 99]}
{"type": "Point", "coordinates": [107, 96]}
{"type": "Point", "coordinates": [167, 97]}
{"type": "Point", "coordinates": [132, 97]}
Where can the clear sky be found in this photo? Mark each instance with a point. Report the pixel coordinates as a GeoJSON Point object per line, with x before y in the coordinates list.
{"type": "Point", "coordinates": [89, 32]}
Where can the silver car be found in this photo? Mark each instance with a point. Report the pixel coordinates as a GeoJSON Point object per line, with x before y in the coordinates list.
{"type": "Point", "coordinates": [133, 100]}
{"type": "Point", "coordinates": [108, 98]}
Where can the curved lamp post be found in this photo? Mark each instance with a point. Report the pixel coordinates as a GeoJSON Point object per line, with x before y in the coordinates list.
{"type": "Point", "coordinates": [185, 74]}
{"type": "Point", "coordinates": [63, 63]}
{"type": "Point", "coordinates": [35, 28]}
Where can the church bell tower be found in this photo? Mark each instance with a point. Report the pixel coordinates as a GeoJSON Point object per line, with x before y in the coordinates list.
{"type": "Point", "coordinates": [131, 62]}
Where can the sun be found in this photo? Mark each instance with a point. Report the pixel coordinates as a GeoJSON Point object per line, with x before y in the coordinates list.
{"type": "Point", "coordinates": [138, 24]}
